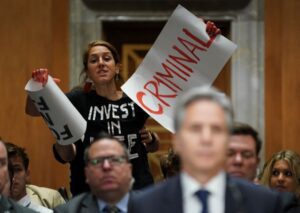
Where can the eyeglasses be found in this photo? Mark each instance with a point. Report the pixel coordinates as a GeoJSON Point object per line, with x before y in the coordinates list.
{"type": "Point", "coordinates": [113, 160]}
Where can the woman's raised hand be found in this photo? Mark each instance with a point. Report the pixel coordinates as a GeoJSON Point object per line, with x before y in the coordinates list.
{"type": "Point", "coordinates": [212, 30]}
{"type": "Point", "coordinates": [41, 75]}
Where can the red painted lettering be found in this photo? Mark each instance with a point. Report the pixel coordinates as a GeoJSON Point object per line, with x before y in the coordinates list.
{"type": "Point", "coordinates": [203, 43]}
{"type": "Point", "coordinates": [156, 94]}
{"type": "Point", "coordinates": [139, 96]}
{"type": "Point", "coordinates": [186, 58]}
{"type": "Point", "coordinates": [191, 47]}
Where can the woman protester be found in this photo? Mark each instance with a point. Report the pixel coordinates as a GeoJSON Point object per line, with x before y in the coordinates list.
{"type": "Point", "coordinates": [107, 109]}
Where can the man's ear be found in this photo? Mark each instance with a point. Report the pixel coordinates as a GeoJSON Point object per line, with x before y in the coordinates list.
{"type": "Point", "coordinates": [257, 160]}
{"type": "Point", "coordinates": [27, 175]}
{"type": "Point", "coordinates": [130, 167]}
{"type": "Point", "coordinates": [176, 143]}
{"type": "Point", "coordinates": [86, 175]}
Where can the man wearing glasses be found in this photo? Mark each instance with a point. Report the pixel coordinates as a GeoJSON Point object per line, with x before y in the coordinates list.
{"type": "Point", "coordinates": [108, 174]}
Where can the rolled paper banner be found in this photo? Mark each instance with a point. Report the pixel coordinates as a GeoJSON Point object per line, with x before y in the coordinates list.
{"type": "Point", "coordinates": [62, 118]}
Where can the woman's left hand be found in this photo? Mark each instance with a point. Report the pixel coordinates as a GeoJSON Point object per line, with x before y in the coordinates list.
{"type": "Point", "coordinates": [212, 30]}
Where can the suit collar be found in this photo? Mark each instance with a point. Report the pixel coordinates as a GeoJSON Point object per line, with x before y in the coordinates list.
{"type": "Point", "coordinates": [5, 204]}
{"type": "Point", "coordinates": [233, 197]}
{"type": "Point", "coordinates": [89, 203]}
{"type": "Point", "coordinates": [173, 195]}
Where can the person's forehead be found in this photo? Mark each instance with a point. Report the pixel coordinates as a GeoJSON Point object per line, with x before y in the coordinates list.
{"type": "Point", "coordinates": [16, 160]}
{"type": "Point", "coordinates": [3, 152]}
{"type": "Point", "coordinates": [242, 142]}
{"type": "Point", "coordinates": [103, 146]}
{"type": "Point", "coordinates": [99, 49]}
{"type": "Point", "coordinates": [281, 164]}
{"type": "Point", "coordinates": [204, 109]}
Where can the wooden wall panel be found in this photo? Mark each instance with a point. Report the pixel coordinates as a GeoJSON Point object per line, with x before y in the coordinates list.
{"type": "Point", "coordinates": [282, 75]}
{"type": "Point", "coordinates": [33, 34]}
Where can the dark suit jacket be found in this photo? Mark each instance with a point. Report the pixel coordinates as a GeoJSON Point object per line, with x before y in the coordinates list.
{"type": "Point", "coordinates": [7, 205]}
{"type": "Point", "coordinates": [83, 203]}
{"type": "Point", "coordinates": [290, 202]}
{"type": "Point", "coordinates": [240, 197]}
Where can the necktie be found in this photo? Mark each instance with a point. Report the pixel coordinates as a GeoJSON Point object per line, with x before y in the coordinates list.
{"type": "Point", "coordinates": [202, 196]}
{"type": "Point", "coordinates": [111, 209]}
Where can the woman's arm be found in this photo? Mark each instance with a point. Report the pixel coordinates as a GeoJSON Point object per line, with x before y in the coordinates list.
{"type": "Point", "coordinates": [66, 152]}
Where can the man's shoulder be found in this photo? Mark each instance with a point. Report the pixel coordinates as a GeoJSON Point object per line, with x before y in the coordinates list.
{"type": "Point", "coordinates": [165, 195]}
{"type": "Point", "coordinates": [44, 196]}
{"type": "Point", "coordinates": [160, 188]}
{"type": "Point", "coordinates": [251, 188]}
{"type": "Point", "coordinates": [76, 203]}
{"type": "Point", "coordinates": [9, 205]}
{"type": "Point", "coordinates": [255, 196]}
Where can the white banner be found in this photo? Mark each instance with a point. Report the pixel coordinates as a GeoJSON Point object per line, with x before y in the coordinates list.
{"type": "Point", "coordinates": [183, 56]}
{"type": "Point", "coordinates": [62, 118]}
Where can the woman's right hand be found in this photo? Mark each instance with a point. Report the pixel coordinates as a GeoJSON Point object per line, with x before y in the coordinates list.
{"type": "Point", "coordinates": [40, 75]}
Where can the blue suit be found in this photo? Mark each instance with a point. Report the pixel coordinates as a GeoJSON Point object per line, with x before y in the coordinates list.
{"type": "Point", "coordinates": [240, 197]}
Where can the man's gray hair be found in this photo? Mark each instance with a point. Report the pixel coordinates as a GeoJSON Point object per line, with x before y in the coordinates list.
{"type": "Point", "coordinates": [201, 93]}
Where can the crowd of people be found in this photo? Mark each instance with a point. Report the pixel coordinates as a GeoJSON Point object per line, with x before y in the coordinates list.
{"type": "Point", "coordinates": [212, 166]}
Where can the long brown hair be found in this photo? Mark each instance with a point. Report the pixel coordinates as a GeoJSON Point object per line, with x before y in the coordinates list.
{"type": "Point", "coordinates": [292, 158]}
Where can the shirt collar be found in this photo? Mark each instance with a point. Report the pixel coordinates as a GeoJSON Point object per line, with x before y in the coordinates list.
{"type": "Point", "coordinates": [122, 204]}
{"type": "Point", "coordinates": [215, 186]}
{"type": "Point", "coordinates": [25, 201]}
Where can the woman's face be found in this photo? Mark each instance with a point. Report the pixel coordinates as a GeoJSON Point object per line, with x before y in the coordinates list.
{"type": "Point", "coordinates": [282, 177]}
{"type": "Point", "coordinates": [101, 65]}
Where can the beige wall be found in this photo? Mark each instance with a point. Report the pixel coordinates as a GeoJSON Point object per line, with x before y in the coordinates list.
{"type": "Point", "coordinates": [33, 33]}
{"type": "Point", "coordinates": [282, 75]}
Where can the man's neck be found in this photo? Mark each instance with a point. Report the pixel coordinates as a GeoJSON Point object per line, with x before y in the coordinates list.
{"type": "Point", "coordinates": [202, 177]}
{"type": "Point", "coordinates": [111, 198]}
{"type": "Point", "coordinates": [19, 197]}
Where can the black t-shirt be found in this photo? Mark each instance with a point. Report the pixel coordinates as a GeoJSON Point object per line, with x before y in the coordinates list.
{"type": "Point", "coordinates": [122, 119]}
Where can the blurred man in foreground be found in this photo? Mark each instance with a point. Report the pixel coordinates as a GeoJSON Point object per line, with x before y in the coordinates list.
{"type": "Point", "coordinates": [202, 121]}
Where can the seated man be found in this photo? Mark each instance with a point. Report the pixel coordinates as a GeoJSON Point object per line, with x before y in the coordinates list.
{"type": "Point", "coordinates": [243, 152]}
{"type": "Point", "coordinates": [108, 174]}
{"type": "Point", "coordinates": [6, 204]}
{"type": "Point", "coordinates": [43, 196]}
{"type": "Point", "coordinates": [19, 161]}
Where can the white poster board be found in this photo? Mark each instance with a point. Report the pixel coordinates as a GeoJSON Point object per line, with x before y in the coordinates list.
{"type": "Point", "coordinates": [183, 56]}
{"type": "Point", "coordinates": [62, 118]}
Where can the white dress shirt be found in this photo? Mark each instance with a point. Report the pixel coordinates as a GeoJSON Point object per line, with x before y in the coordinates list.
{"type": "Point", "coordinates": [216, 199]}
{"type": "Point", "coordinates": [26, 202]}
{"type": "Point", "coordinates": [122, 204]}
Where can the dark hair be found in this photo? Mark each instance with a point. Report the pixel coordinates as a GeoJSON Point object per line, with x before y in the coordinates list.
{"type": "Point", "coordinates": [101, 136]}
{"type": "Point", "coordinates": [245, 129]}
{"type": "Point", "coordinates": [14, 150]}
{"type": "Point", "coordinates": [11, 172]}
{"type": "Point", "coordinates": [201, 93]}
